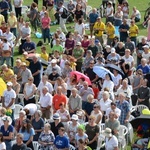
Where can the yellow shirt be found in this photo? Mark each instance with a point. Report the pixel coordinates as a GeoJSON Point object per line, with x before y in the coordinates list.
{"type": "Point", "coordinates": [133, 31]}
{"type": "Point", "coordinates": [111, 32]}
{"type": "Point", "coordinates": [7, 75]}
{"type": "Point", "coordinates": [25, 61]}
{"type": "Point", "coordinates": [44, 56]}
{"type": "Point", "coordinates": [99, 26]}
{"type": "Point", "coordinates": [12, 20]}
{"type": "Point", "coordinates": [1, 19]}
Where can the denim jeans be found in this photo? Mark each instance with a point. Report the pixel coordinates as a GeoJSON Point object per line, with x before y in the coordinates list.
{"type": "Point", "coordinates": [14, 31]}
{"type": "Point", "coordinates": [46, 34]}
{"type": "Point", "coordinates": [8, 145]}
{"type": "Point", "coordinates": [34, 24]}
{"type": "Point", "coordinates": [8, 60]}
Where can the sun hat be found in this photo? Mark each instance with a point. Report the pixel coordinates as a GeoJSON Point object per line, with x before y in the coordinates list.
{"type": "Point", "coordinates": [7, 118]}
{"type": "Point", "coordinates": [108, 132]}
{"type": "Point", "coordinates": [56, 116]}
{"type": "Point", "coordinates": [9, 84]}
{"type": "Point", "coordinates": [74, 117]}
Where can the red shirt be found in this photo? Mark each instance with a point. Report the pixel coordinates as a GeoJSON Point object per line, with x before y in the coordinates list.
{"type": "Point", "coordinates": [96, 91]}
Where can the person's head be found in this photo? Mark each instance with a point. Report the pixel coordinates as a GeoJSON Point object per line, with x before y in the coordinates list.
{"type": "Point", "coordinates": [59, 81]}
{"type": "Point", "coordinates": [7, 120]}
{"type": "Point", "coordinates": [74, 119]}
{"type": "Point", "coordinates": [9, 86]}
{"type": "Point", "coordinates": [4, 67]}
{"type": "Point", "coordinates": [70, 1]}
{"type": "Point", "coordinates": [26, 125]}
{"type": "Point", "coordinates": [124, 21]}
{"type": "Point", "coordinates": [12, 14]}
{"type": "Point", "coordinates": [45, 90]}
{"type": "Point", "coordinates": [105, 95]}
{"type": "Point", "coordinates": [22, 114]}
{"type": "Point", "coordinates": [144, 82]}
{"type": "Point", "coordinates": [74, 92]}
{"type": "Point", "coordinates": [13, 78]}
{"type": "Point", "coordinates": [90, 98]}
{"type": "Point", "coordinates": [18, 62]}
{"type": "Point", "coordinates": [62, 105]}
{"type": "Point", "coordinates": [127, 52]}
{"type": "Point", "coordinates": [23, 66]}
{"type": "Point", "coordinates": [120, 45]}
{"type": "Point", "coordinates": [27, 24]}
{"type": "Point", "coordinates": [89, 53]}
{"type": "Point", "coordinates": [112, 115]}
{"type": "Point", "coordinates": [109, 4]}
{"type": "Point", "coordinates": [134, 9]}
{"type": "Point", "coordinates": [91, 119]}
{"type": "Point", "coordinates": [121, 96]}
{"type": "Point", "coordinates": [113, 51]}
{"type": "Point", "coordinates": [3, 24]}
{"type": "Point", "coordinates": [143, 40]}
{"type": "Point", "coordinates": [118, 8]}
{"type": "Point", "coordinates": [46, 14]}
{"type": "Point", "coordinates": [143, 61]}
{"type": "Point", "coordinates": [85, 84]}
{"type": "Point", "coordinates": [38, 114]}
{"type": "Point", "coordinates": [47, 127]}
{"type": "Point", "coordinates": [139, 72]}
{"type": "Point", "coordinates": [53, 62]}
{"type": "Point", "coordinates": [2, 111]}
{"type": "Point", "coordinates": [61, 131]}
{"type": "Point", "coordinates": [60, 4]}
{"type": "Point", "coordinates": [96, 107]}
{"type": "Point", "coordinates": [59, 90]}
{"type": "Point", "coordinates": [107, 77]}
{"type": "Point", "coordinates": [91, 63]}
{"type": "Point", "coordinates": [85, 37]}
{"type": "Point", "coordinates": [98, 19]}
{"type": "Point", "coordinates": [67, 64]}
{"type": "Point", "coordinates": [81, 129]}
{"type": "Point", "coordinates": [78, 45]}
{"type": "Point", "coordinates": [132, 22]}
{"type": "Point", "coordinates": [43, 49]}
{"type": "Point", "coordinates": [81, 80]}
{"type": "Point", "coordinates": [78, 7]}
{"type": "Point", "coordinates": [30, 80]}
{"type": "Point", "coordinates": [44, 78]}
{"type": "Point", "coordinates": [113, 105]}
{"type": "Point", "coordinates": [94, 10]}
{"type": "Point", "coordinates": [128, 39]}
{"type": "Point", "coordinates": [125, 83]}
{"type": "Point", "coordinates": [109, 24]}
{"type": "Point", "coordinates": [70, 35]}
{"type": "Point", "coordinates": [115, 72]}
{"type": "Point", "coordinates": [19, 138]}
{"type": "Point", "coordinates": [35, 59]}
{"type": "Point", "coordinates": [56, 117]}
{"type": "Point", "coordinates": [80, 21]}
{"type": "Point", "coordinates": [33, 5]}
{"type": "Point", "coordinates": [108, 133]}
{"type": "Point", "coordinates": [146, 48]}
{"type": "Point", "coordinates": [43, 8]}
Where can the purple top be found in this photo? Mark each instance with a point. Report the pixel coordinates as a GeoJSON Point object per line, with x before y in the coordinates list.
{"type": "Point", "coordinates": [69, 44]}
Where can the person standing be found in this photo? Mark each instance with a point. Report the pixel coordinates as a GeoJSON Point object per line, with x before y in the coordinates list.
{"type": "Point", "coordinates": [35, 67]}
{"type": "Point", "coordinates": [4, 7]}
{"type": "Point", "coordinates": [18, 7]}
{"type": "Point", "coordinates": [61, 17]}
{"type": "Point", "coordinates": [46, 27]}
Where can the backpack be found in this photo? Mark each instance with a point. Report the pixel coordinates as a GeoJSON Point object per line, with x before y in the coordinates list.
{"type": "Point", "coordinates": [65, 13]}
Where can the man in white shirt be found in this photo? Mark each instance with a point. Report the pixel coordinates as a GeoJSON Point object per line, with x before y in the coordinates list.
{"type": "Point", "coordinates": [44, 82]}
{"type": "Point", "coordinates": [8, 98]}
{"type": "Point", "coordinates": [45, 103]}
{"type": "Point", "coordinates": [146, 53]}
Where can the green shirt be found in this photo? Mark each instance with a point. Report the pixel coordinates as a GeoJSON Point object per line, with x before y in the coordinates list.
{"type": "Point", "coordinates": [58, 48]}
{"type": "Point", "coordinates": [78, 53]}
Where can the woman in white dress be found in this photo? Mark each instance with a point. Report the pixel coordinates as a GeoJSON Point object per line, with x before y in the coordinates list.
{"type": "Point", "coordinates": [80, 27]}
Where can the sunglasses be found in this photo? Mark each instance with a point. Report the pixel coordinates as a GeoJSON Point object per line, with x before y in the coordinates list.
{"type": "Point", "coordinates": [29, 79]}
{"type": "Point", "coordinates": [95, 107]}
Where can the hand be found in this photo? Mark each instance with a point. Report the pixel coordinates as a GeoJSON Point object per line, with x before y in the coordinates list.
{"type": "Point", "coordinates": [126, 121]}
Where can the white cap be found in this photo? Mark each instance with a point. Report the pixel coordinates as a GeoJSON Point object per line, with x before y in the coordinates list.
{"type": "Point", "coordinates": [78, 43]}
{"type": "Point", "coordinates": [146, 46]}
{"type": "Point", "coordinates": [113, 50]}
{"type": "Point", "coordinates": [74, 117]}
{"type": "Point", "coordinates": [54, 61]}
{"type": "Point", "coordinates": [107, 46]}
{"type": "Point", "coordinates": [9, 83]}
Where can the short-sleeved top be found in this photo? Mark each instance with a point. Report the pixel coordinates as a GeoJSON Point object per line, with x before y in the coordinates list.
{"type": "Point", "coordinates": [110, 32]}
{"type": "Point", "coordinates": [6, 132]}
{"type": "Point", "coordinates": [110, 144]}
{"type": "Point", "coordinates": [124, 34]}
{"type": "Point", "coordinates": [37, 125]}
{"type": "Point", "coordinates": [19, 147]}
{"type": "Point", "coordinates": [55, 128]}
{"type": "Point", "coordinates": [58, 48]}
{"type": "Point", "coordinates": [91, 131]}
{"type": "Point", "coordinates": [61, 142]}
{"type": "Point", "coordinates": [2, 146]}
{"type": "Point", "coordinates": [133, 31]}
{"type": "Point", "coordinates": [12, 20]}
{"type": "Point", "coordinates": [45, 22]}
{"type": "Point", "coordinates": [90, 73]}
{"type": "Point", "coordinates": [8, 74]}
{"type": "Point", "coordinates": [32, 108]}
{"type": "Point", "coordinates": [78, 14]}
{"type": "Point", "coordinates": [4, 5]}
{"type": "Point", "coordinates": [28, 46]}
{"type": "Point", "coordinates": [78, 53]}
{"type": "Point", "coordinates": [33, 12]}
{"type": "Point", "coordinates": [145, 69]}
{"type": "Point", "coordinates": [94, 50]}
{"type": "Point", "coordinates": [6, 46]}
{"type": "Point", "coordinates": [93, 17]}
{"type": "Point", "coordinates": [84, 137]}
{"type": "Point", "coordinates": [8, 96]}
{"type": "Point", "coordinates": [99, 26]}
{"type": "Point", "coordinates": [26, 31]}
{"type": "Point", "coordinates": [26, 135]}
{"type": "Point", "coordinates": [17, 2]}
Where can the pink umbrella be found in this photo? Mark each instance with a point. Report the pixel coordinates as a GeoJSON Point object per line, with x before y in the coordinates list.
{"type": "Point", "coordinates": [79, 75]}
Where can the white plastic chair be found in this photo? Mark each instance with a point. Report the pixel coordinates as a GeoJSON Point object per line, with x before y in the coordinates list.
{"type": "Point", "coordinates": [88, 9]}
{"type": "Point", "coordinates": [131, 117]}
{"type": "Point", "coordinates": [141, 107]}
{"type": "Point", "coordinates": [123, 130]}
{"type": "Point", "coordinates": [17, 110]}
{"type": "Point", "coordinates": [71, 147]}
{"type": "Point", "coordinates": [102, 127]}
{"type": "Point", "coordinates": [131, 133]}
{"type": "Point", "coordinates": [21, 97]}
{"type": "Point", "coordinates": [35, 145]}
{"type": "Point", "coordinates": [100, 142]}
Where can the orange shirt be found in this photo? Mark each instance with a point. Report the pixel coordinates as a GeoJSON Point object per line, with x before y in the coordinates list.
{"type": "Point", "coordinates": [57, 99]}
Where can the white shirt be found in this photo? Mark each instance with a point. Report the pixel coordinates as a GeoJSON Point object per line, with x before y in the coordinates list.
{"type": "Point", "coordinates": [108, 11]}
{"type": "Point", "coordinates": [117, 79]}
{"type": "Point", "coordinates": [146, 56]}
{"type": "Point", "coordinates": [46, 100]}
{"type": "Point", "coordinates": [116, 110]}
{"type": "Point", "coordinates": [32, 108]}
{"type": "Point", "coordinates": [48, 71]}
{"type": "Point", "coordinates": [17, 2]}
{"type": "Point", "coordinates": [48, 85]}
{"type": "Point", "coordinates": [105, 104]}
{"type": "Point", "coordinates": [9, 36]}
{"type": "Point", "coordinates": [2, 146]}
{"type": "Point", "coordinates": [110, 144]}
{"type": "Point", "coordinates": [25, 31]}
{"type": "Point", "coordinates": [108, 84]}
{"type": "Point", "coordinates": [6, 46]}
{"type": "Point", "coordinates": [79, 28]}
{"type": "Point", "coordinates": [8, 96]}
{"type": "Point", "coordinates": [128, 60]}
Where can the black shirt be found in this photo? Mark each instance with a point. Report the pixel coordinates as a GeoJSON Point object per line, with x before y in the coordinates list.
{"type": "Point", "coordinates": [120, 51]}
{"type": "Point", "coordinates": [90, 73]}
{"type": "Point", "coordinates": [19, 147]}
{"type": "Point", "coordinates": [53, 77]}
{"type": "Point", "coordinates": [94, 50]}
{"type": "Point", "coordinates": [78, 14]}
{"type": "Point", "coordinates": [55, 128]}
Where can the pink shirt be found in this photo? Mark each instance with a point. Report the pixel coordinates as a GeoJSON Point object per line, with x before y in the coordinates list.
{"type": "Point", "coordinates": [46, 22]}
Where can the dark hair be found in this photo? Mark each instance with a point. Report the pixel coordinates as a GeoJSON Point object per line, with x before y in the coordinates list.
{"type": "Point", "coordinates": [80, 21]}
{"type": "Point", "coordinates": [62, 129]}
{"type": "Point", "coordinates": [29, 126]}
{"type": "Point", "coordinates": [82, 78]}
{"type": "Point", "coordinates": [1, 135]}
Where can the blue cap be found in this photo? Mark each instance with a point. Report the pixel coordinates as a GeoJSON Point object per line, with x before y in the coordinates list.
{"type": "Point", "coordinates": [96, 41]}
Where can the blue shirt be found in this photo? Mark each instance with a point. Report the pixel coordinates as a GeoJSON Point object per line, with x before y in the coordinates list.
{"type": "Point", "coordinates": [4, 5]}
{"type": "Point", "coordinates": [125, 109]}
{"type": "Point", "coordinates": [61, 142]}
{"type": "Point", "coordinates": [28, 46]}
{"type": "Point", "coordinates": [93, 17]}
{"type": "Point", "coordinates": [26, 135]}
{"type": "Point", "coordinates": [145, 69]}
{"type": "Point", "coordinates": [6, 133]}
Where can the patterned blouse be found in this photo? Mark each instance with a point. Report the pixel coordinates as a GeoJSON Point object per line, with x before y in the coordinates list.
{"type": "Point", "coordinates": [47, 138]}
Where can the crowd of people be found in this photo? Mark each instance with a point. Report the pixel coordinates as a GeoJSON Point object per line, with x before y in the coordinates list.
{"type": "Point", "coordinates": [74, 99]}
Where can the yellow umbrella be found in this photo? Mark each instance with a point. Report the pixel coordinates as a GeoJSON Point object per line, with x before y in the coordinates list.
{"type": "Point", "coordinates": [2, 86]}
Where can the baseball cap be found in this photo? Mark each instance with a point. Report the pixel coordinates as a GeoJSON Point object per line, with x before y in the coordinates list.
{"type": "Point", "coordinates": [78, 43]}
{"type": "Point", "coordinates": [146, 46]}
{"type": "Point", "coordinates": [113, 50]}
{"type": "Point", "coordinates": [9, 83]}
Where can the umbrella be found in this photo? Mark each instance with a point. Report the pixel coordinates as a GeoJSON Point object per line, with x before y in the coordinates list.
{"type": "Point", "coordinates": [112, 66]}
{"type": "Point", "coordinates": [142, 119]}
{"type": "Point", "coordinates": [101, 72]}
{"type": "Point", "coordinates": [79, 75]}
{"type": "Point", "coordinates": [2, 86]}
